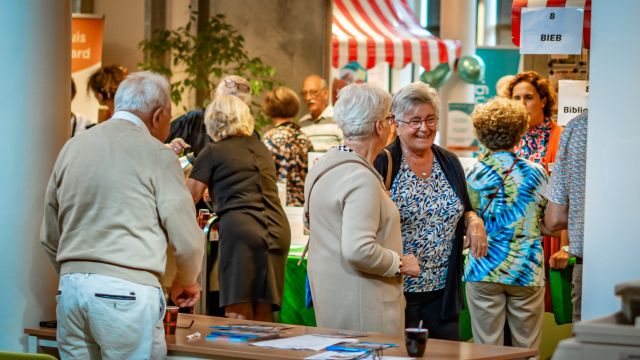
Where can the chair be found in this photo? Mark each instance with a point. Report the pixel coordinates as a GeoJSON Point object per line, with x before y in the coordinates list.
{"type": "Point", "coordinates": [8, 355]}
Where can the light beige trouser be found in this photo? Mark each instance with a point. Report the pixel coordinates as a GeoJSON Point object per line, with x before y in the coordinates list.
{"type": "Point", "coordinates": [523, 307]}
{"type": "Point", "coordinates": [576, 292]}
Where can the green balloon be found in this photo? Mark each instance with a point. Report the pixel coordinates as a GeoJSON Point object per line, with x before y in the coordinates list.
{"type": "Point", "coordinates": [471, 69]}
{"type": "Point", "coordinates": [438, 76]}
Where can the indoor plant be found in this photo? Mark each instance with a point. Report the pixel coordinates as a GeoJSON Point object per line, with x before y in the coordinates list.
{"type": "Point", "coordinates": [214, 50]}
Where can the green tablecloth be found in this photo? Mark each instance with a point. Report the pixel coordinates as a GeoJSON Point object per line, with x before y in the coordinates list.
{"type": "Point", "coordinates": [293, 309]}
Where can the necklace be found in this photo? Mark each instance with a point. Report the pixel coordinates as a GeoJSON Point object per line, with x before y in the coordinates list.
{"type": "Point", "coordinates": [423, 173]}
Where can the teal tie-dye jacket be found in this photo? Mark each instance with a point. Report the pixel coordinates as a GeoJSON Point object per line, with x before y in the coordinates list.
{"type": "Point", "coordinates": [515, 243]}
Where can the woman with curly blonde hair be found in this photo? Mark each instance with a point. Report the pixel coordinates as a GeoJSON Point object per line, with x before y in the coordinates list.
{"type": "Point", "coordinates": [240, 174]}
{"type": "Point", "coordinates": [508, 193]}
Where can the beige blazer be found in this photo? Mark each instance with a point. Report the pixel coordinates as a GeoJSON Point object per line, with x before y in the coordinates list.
{"type": "Point", "coordinates": [354, 248]}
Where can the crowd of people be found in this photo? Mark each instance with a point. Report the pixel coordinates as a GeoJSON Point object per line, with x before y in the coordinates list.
{"type": "Point", "coordinates": [395, 222]}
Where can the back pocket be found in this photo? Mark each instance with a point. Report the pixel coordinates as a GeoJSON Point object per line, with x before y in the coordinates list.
{"type": "Point", "coordinates": [115, 297]}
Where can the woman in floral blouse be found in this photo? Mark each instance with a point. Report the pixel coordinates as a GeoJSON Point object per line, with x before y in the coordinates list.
{"type": "Point", "coordinates": [288, 145]}
{"type": "Point", "coordinates": [540, 143]}
{"type": "Point", "coordinates": [508, 193]}
{"type": "Point", "coordinates": [427, 184]}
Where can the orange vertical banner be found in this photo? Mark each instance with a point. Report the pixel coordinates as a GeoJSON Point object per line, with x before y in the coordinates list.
{"type": "Point", "coordinates": [86, 58]}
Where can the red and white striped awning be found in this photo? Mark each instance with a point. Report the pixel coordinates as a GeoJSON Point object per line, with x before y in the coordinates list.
{"type": "Point", "coordinates": [374, 31]}
{"type": "Point", "coordinates": [516, 11]}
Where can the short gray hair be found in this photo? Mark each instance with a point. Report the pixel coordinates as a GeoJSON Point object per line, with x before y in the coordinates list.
{"type": "Point", "coordinates": [143, 91]}
{"type": "Point", "coordinates": [416, 93]}
{"type": "Point", "coordinates": [222, 89]}
{"type": "Point", "coordinates": [359, 107]}
{"type": "Point", "coordinates": [228, 116]}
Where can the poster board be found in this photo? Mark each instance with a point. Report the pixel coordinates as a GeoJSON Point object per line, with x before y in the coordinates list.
{"type": "Point", "coordinates": [86, 57]}
{"type": "Point", "coordinates": [573, 99]}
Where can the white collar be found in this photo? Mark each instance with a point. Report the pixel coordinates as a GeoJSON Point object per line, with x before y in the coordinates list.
{"type": "Point", "coordinates": [326, 113]}
{"type": "Point", "coordinates": [125, 115]}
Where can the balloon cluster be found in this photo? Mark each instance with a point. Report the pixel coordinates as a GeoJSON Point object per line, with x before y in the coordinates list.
{"type": "Point", "coordinates": [470, 70]}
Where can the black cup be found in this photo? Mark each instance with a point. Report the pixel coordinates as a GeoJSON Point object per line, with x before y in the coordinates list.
{"type": "Point", "coordinates": [416, 341]}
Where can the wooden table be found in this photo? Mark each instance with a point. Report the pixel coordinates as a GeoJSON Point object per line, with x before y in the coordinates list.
{"type": "Point", "coordinates": [179, 347]}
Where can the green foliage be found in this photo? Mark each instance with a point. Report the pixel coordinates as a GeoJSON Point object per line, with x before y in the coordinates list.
{"type": "Point", "coordinates": [215, 50]}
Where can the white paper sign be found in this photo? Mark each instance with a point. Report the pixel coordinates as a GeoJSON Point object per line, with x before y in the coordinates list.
{"type": "Point", "coordinates": [573, 99]}
{"type": "Point", "coordinates": [552, 30]}
{"type": "Point", "coordinates": [294, 215]}
{"type": "Point", "coordinates": [312, 157]}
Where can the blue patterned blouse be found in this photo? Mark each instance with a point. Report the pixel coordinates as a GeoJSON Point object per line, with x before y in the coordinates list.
{"type": "Point", "coordinates": [429, 213]}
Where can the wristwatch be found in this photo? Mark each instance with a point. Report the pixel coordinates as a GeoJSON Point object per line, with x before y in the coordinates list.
{"type": "Point", "coordinates": [565, 249]}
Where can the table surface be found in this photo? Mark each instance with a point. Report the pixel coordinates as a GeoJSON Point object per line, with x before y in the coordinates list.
{"type": "Point", "coordinates": [179, 345]}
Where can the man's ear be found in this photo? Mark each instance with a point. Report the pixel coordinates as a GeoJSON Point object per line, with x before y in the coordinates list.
{"type": "Point", "coordinates": [157, 117]}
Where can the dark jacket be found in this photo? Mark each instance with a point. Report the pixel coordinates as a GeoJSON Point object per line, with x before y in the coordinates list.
{"type": "Point", "coordinates": [191, 128]}
{"type": "Point", "coordinates": [453, 171]}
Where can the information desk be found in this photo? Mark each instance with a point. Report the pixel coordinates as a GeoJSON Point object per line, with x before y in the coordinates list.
{"type": "Point", "coordinates": [180, 348]}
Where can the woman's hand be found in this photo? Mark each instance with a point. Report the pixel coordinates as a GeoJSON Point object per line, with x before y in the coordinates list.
{"type": "Point", "coordinates": [476, 235]}
{"type": "Point", "coordinates": [559, 260]}
{"type": "Point", "coordinates": [409, 266]}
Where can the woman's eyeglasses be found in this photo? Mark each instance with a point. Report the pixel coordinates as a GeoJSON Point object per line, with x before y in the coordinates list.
{"type": "Point", "coordinates": [416, 122]}
{"type": "Point", "coordinates": [236, 85]}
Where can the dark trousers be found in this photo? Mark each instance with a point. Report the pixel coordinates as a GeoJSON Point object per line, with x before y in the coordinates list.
{"type": "Point", "coordinates": [427, 306]}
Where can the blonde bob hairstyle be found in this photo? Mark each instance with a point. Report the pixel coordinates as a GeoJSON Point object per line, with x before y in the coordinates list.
{"type": "Point", "coordinates": [281, 103]}
{"type": "Point", "coordinates": [500, 123]}
{"type": "Point", "coordinates": [228, 116]}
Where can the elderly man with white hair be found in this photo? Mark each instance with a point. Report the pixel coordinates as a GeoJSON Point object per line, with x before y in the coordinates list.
{"type": "Point", "coordinates": [355, 243]}
{"type": "Point", "coordinates": [319, 124]}
{"type": "Point", "coordinates": [115, 200]}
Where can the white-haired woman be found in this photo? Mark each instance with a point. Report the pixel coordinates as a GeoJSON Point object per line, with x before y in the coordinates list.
{"type": "Point", "coordinates": [235, 85]}
{"type": "Point", "coordinates": [240, 174]}
{"type": "Point", "coordinates": [355, 249]}
{"type": "Point", "coordinates": [188, 130]}
{"type": "Point", "coordinates": [427, 184]}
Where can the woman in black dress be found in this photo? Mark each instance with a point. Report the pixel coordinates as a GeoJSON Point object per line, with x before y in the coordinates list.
{"type": "Point", "coordinates": [240, 174]}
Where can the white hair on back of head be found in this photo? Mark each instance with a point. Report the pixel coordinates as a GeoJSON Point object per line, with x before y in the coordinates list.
{"type": "Point", "coordinates": [222, 89]}
{"type": "Point", "coordinates": [228, 116]}
{"type": "Point", "coordinates": [143, 91]}
{"type": "Point", "coordinates": [416, 93]}
{"type": "Point", "coordinates": [358, 108]}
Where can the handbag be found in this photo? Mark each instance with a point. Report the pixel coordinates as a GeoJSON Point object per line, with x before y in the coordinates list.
{"type": "Point", "coordinates": [387, 178]}
{"type": "Point", "coordinates": [493, 196]}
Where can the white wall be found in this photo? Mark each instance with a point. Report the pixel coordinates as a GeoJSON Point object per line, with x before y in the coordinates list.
{"type": "Point", "coordinates": [457, 21]}
{"type": "Point", "coordinates": [123, 29]}
{"type": "Point", "coordinates": [612, 240]}
{"type": "Point", "coordinates": [35, 94]}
